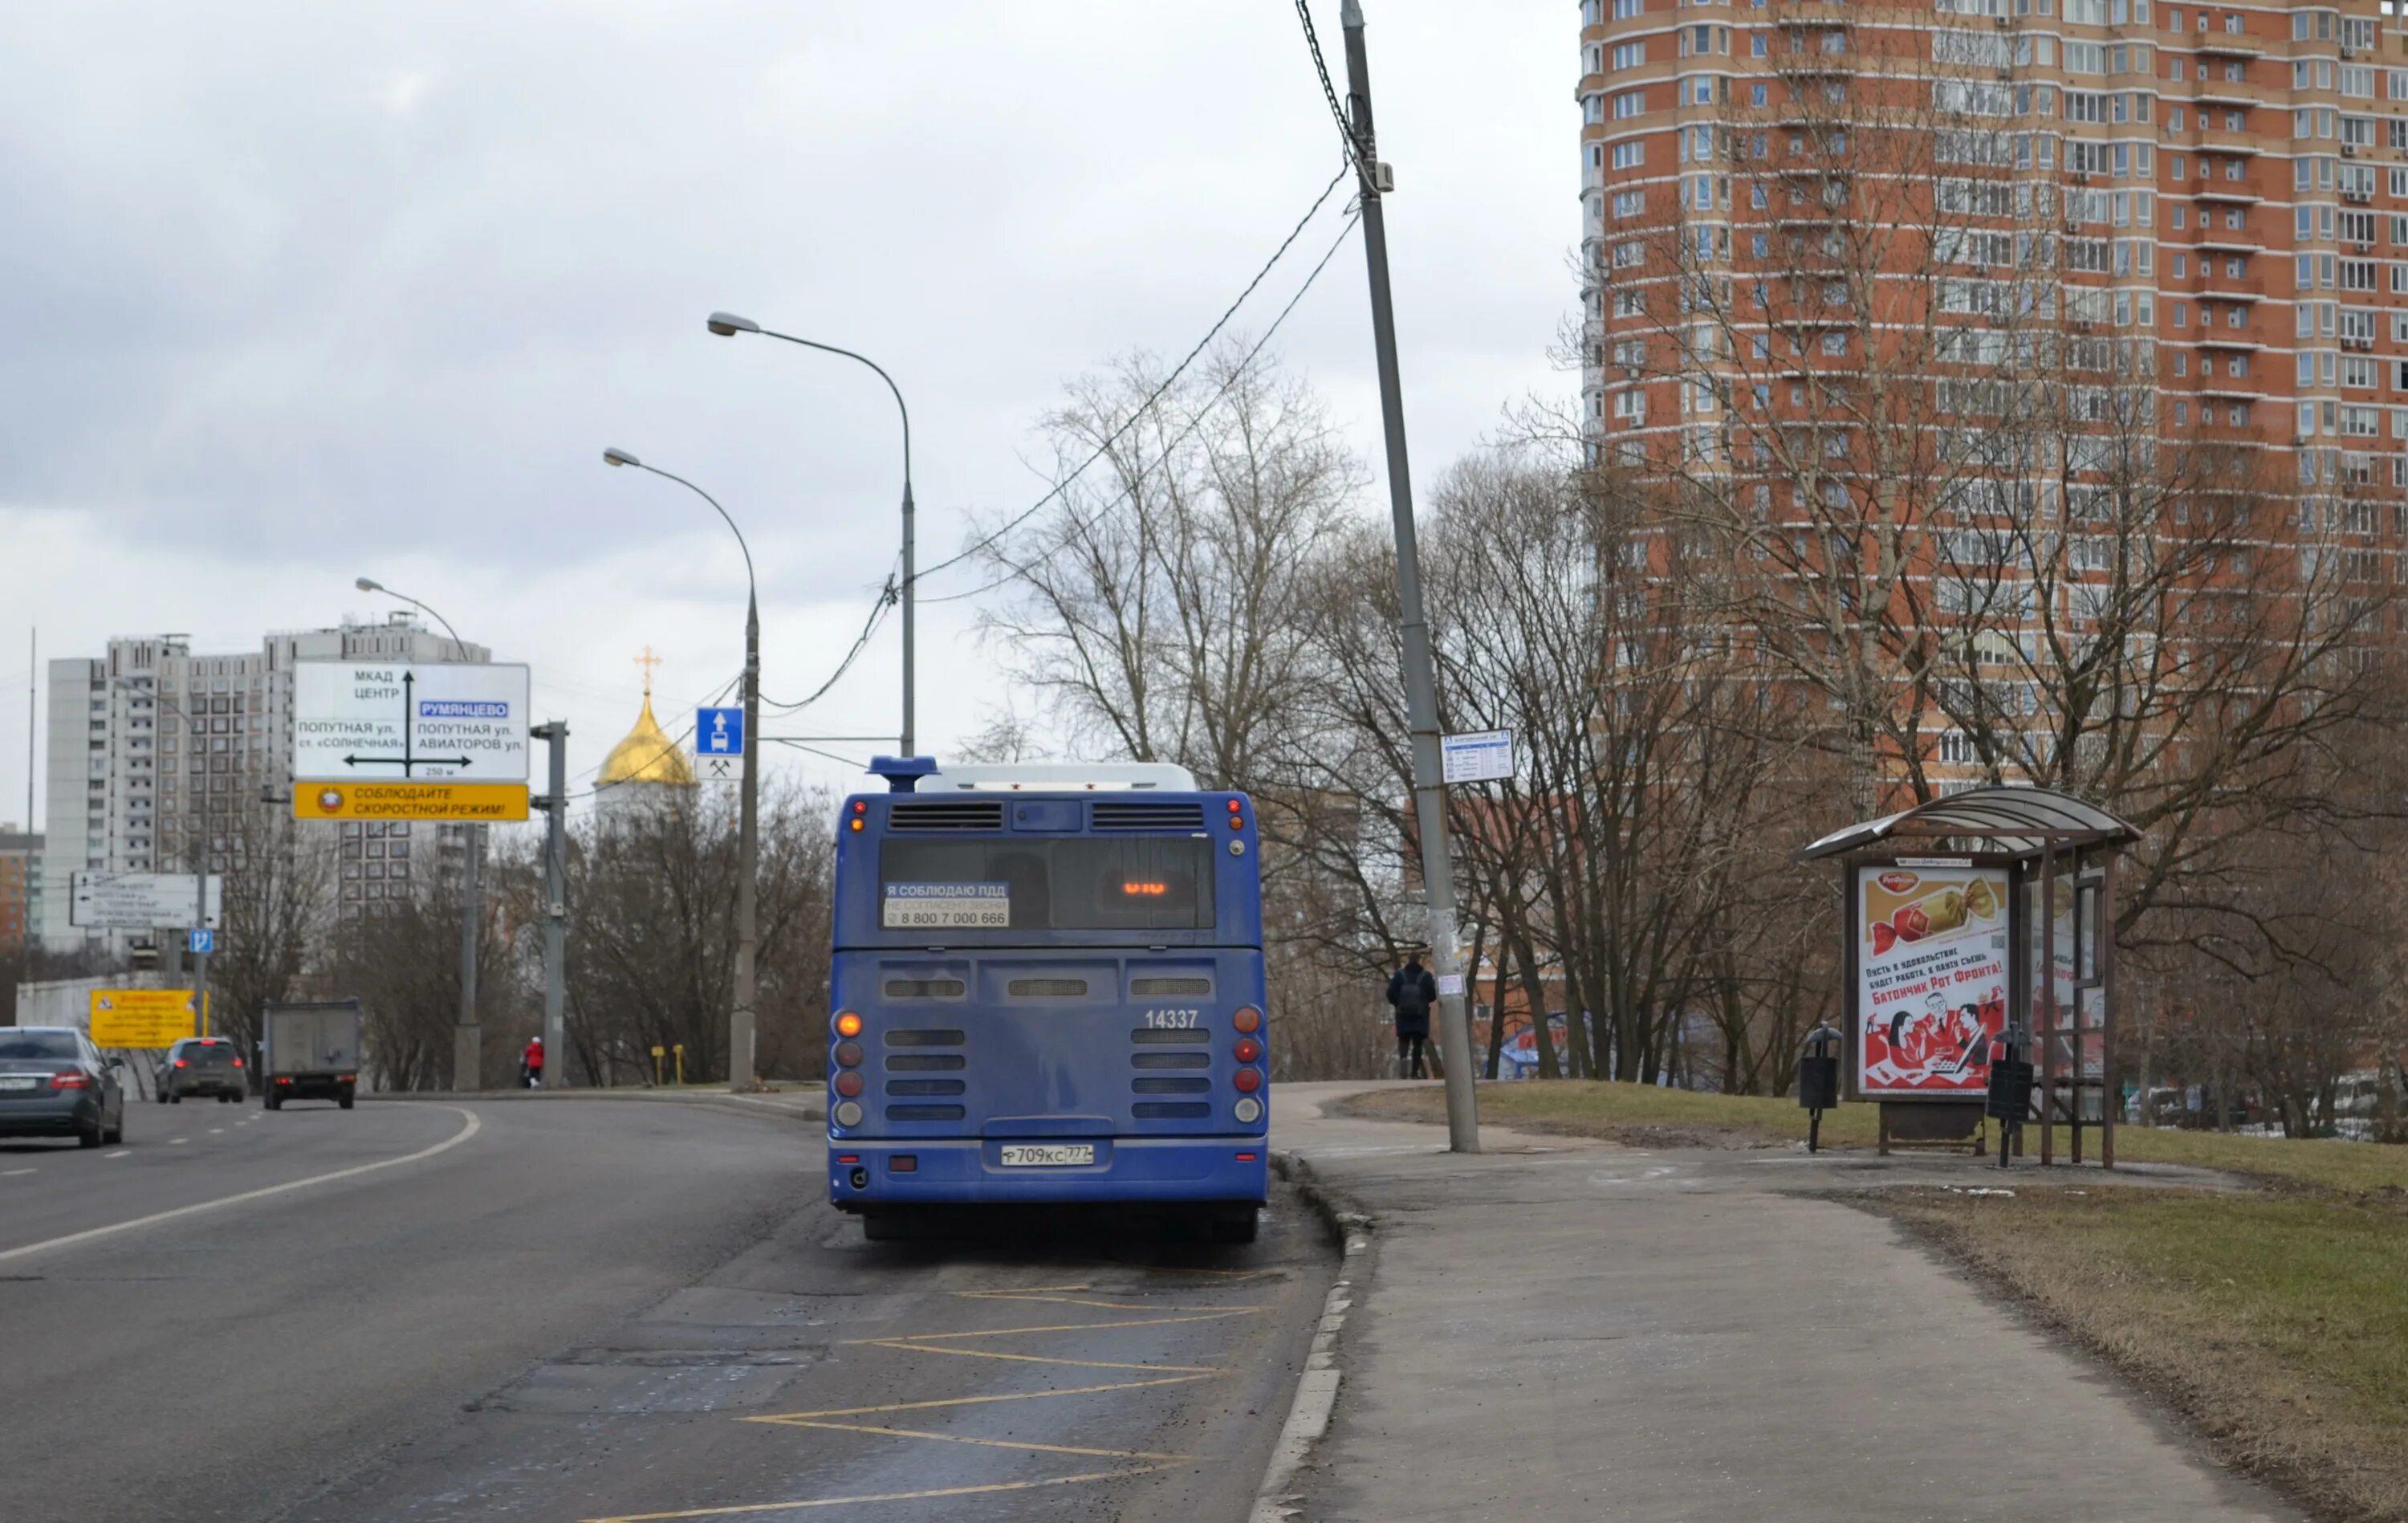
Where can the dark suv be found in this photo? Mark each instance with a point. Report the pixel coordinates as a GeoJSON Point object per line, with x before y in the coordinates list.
{"type": "Point", "coordinates": [53, 1081]}
{"type": "Point", "coordinates": [201, 1067]}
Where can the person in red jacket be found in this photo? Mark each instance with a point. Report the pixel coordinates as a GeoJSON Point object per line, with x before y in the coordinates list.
{"type": "Point", "coordinates": [531, 1065]}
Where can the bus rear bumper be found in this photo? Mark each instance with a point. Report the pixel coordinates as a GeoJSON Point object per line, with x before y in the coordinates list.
{"type": "Point", "coordinates": [865, 1175]}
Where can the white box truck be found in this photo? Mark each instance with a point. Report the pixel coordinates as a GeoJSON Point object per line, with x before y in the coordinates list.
{"type": "Point", "coordinates": [312, 1051]}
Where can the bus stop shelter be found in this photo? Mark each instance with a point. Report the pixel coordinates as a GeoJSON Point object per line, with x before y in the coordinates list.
{"type": "Point", "coordinates": [1981, 916]}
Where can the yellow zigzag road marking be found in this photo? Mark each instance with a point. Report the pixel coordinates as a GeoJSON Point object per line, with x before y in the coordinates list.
{"type": "Point", "coordinates": [986, 1442]}
{"type": "Point", "coordinates": [934, 1343]}
{"type": "Point", "coordinates": [756, 1508]}
{"type": "Point", "coordinates": [1065, 1327]}
{"type": "Point", "coordinates": [975, 1400]}
{"type": "Point", "coordinates": [909, 1346]}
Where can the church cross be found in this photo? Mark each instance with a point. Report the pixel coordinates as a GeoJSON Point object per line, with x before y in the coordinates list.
{"type": "Point", "coordinates": [648, 661]}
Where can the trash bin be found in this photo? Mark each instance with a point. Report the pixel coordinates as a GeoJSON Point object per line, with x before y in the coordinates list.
{"type": "Point", "coordinates": [2009, 1098]}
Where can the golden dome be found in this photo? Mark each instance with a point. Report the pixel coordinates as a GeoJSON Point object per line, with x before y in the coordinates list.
{"type": "Point", "coordinates": [648, 755]}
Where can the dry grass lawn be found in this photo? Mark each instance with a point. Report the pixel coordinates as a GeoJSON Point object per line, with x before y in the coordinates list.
{"type": "Point", "coordinates": [2275, 1321]}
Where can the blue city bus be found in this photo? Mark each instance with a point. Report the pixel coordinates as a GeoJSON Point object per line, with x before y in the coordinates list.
{"type": "Point", "coordinates": [1047, 989]}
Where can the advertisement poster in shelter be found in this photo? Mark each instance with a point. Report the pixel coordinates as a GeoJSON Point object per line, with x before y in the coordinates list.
{"type": "Point", "coordinates": [1931, 978]}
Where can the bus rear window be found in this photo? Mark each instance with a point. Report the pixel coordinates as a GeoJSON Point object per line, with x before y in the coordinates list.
{"type": "Point", "coordinates": [1143, 883]}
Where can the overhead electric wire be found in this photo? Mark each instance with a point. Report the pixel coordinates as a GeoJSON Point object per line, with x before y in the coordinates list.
{"type": "Point", "coordinates": [1355, 148]}
{"type": "Point", "coordinates": [887, 597]}
{"type": "Point", "coordinates": [1167, 381]}
{"type": "Point", "coordinates": [1198, 421]}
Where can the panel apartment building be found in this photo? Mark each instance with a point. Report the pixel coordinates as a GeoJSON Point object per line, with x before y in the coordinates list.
{"type": "Point", "coordinates": [1988, 264]}
{"type": "Point", "coordinates": [158, 757]}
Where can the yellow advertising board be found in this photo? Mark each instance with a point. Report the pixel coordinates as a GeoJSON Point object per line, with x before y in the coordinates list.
{"type": "Point", "coordinates": [410, 800]}
{"type": "Point", "coordinates": [140, 1017]}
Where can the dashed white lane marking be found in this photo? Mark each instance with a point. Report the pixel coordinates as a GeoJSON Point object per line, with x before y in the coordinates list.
{"type": "Point", "coordinates": [178, 1141]}
{"type": "Point", "coordinates": [119, 1154]}
{"type": "Point", "coordinates": [468, 1129]}
{"type": "Point", "coordinates": [216, 1131]}
{"type": "Point", "coordinates": [14, 1173]}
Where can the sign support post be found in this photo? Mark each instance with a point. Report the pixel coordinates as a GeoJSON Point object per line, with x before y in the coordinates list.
{"type": "Point", "coordinates": [555, 900]}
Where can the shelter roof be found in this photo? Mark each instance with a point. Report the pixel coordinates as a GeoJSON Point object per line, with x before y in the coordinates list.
{"type": "Point", "coordinates": [2012, 820]}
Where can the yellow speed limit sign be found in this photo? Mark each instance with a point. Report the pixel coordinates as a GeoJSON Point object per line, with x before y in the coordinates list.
{"type": "Point", "coordinates": [140, 1017]}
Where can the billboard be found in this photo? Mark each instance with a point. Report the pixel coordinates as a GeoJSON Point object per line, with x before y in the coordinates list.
{"type": "Point", "coordinates": [139, 901]}
{"type": "Point", "coordinates": [124, 1018]}
{"type": "Point", "coordinates": [409, 722]}
{"type": "Point", "coordinates": [1931, 954]}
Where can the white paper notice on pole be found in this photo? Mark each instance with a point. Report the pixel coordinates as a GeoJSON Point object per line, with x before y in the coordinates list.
{"type": "Point", "coordinates": [1449, 983]}
{"type": "Point", "coordinates": [1931, 979]}
{"type": "Point", "coordinates": [136, 902]}
{"type": "Point", "coordinates": [409, 721]}
{"type": "Point", "coordinates": [1479, 756]}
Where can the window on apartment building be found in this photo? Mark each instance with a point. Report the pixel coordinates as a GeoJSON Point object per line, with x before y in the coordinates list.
{"type": "Point", "coordinates": [1625, 9]}
{"type": "Point", "coordinates": [1629, 154]}
{"type": "Point", "coordinates": [1630, 55]}
{"type": "Point", "coordinates": [1627, 105]}
{"type": "Point", "coordinates": [1756, 95]}
{"type": "Point", "coordinates": [1592, 109]}
{"type": "Point", "coordinates": [1759, 45]}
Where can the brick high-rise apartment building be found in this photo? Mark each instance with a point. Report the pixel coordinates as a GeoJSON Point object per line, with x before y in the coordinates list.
{"type": "Point", "coordinates": [2032, 320]}
{"type": "Point", "coordinates": [2245, 169]}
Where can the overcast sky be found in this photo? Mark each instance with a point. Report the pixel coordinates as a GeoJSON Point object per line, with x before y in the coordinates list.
{"type": "Point", "coordinates": [294, 294]}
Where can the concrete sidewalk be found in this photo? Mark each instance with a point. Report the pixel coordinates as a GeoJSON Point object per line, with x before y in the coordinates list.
{"type": "Point", "coordinates": [1563, 1329]}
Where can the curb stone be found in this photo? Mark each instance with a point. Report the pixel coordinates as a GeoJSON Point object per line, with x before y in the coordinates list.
{"type": "Point", "coordinates": [1316, 1390]}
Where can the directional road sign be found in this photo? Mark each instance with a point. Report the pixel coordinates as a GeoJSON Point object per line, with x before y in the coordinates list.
{"type": "Point", "coordinates": [718, 745]}
{"type": "Point", "coordinates": [409, 722]}
{"type": "Point", "coordinates": [1480, 756]}
{"type": "Point", "coordinates": [200, 940]}
{"type": "Point", "coordinates": [137, 901]}
{"type": "Point", "coordinates": [140, 1017]}
{"type": "Point", "coordinates": [410, 800]}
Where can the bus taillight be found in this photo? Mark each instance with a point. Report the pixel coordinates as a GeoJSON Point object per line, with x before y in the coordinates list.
{"type": "Point", "coordinates": [848, 1083]}
{"type": "Point", "coordinates": [1248, 1020]}
{"type": "Point", "coordinates": [1248, 1081]}
{"type": "Point", "coordinates": [848, 1054]}
{"type": "Point", "coordinates": [1247, 1050]}
{"type": "Point", "coordinates": [848, 1024]}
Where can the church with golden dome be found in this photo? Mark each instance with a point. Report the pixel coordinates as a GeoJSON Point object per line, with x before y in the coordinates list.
{"type": "Point", "coordinates": [647, 775]}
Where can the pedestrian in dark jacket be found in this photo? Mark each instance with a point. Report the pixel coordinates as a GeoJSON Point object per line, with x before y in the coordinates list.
{"type": "Point", "coordinates": [1411, 992]}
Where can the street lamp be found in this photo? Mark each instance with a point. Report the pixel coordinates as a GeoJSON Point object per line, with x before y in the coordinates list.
{"type": "Point", "coordinates": [370, 585]}
{"type": "Point", "coordinates": [468, 1038]}
{"type": "Point", "coordinates": [727, 324]}
{"type": "Point", "coordinates": [748, 844]}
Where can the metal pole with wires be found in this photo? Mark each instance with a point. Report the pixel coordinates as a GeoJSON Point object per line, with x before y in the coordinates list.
{"type": "Point", "coordinates": [727, 324]}
{"type": "Point", "coordinates": [740, 1040]}
{"type": "Point", "coordinates": [1373, 180]}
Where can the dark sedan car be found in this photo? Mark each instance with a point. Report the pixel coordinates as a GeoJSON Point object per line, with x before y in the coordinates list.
{"type": "Point", "coordinates": [54, 1083]}
{"type": "Point", "coordinates": [200, 1066]}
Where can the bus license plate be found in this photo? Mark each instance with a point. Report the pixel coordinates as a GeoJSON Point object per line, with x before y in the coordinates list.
{"type": "Point", "coordinates": [1047, 1156]}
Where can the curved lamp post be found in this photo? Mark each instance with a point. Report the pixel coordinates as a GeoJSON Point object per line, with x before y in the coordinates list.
{"type": "Point", "coordinates": [748, 851]}
{"type": "Point", "coordinates": [727, 324]}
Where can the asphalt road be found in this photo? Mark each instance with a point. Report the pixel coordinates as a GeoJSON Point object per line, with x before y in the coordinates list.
{"type": "Point", "coordinates": [565, 1309]}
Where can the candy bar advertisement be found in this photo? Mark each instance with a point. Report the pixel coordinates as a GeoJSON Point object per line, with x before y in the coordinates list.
{"type": "Point", "coordinates": [1931, 978]}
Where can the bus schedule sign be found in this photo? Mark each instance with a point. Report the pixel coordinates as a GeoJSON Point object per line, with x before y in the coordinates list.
{"type": "Point", "coordinates": [1932, 948]}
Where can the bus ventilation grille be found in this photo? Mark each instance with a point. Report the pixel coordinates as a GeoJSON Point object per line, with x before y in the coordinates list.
{"type": "Point", "coordinates": [947, 814]}
{"type": "Point", "coordinates": [1134, 815]}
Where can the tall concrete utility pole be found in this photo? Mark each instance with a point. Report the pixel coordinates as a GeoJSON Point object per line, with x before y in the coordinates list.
{"type": "Point", "coordinates": [1421, 689]}
{"type": "Point", "coordinates": [740, 1073]}
{"type": "Point", "coordinates": [468, 1037]}
{"type": "Point", "coordinates": [554, 804]}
